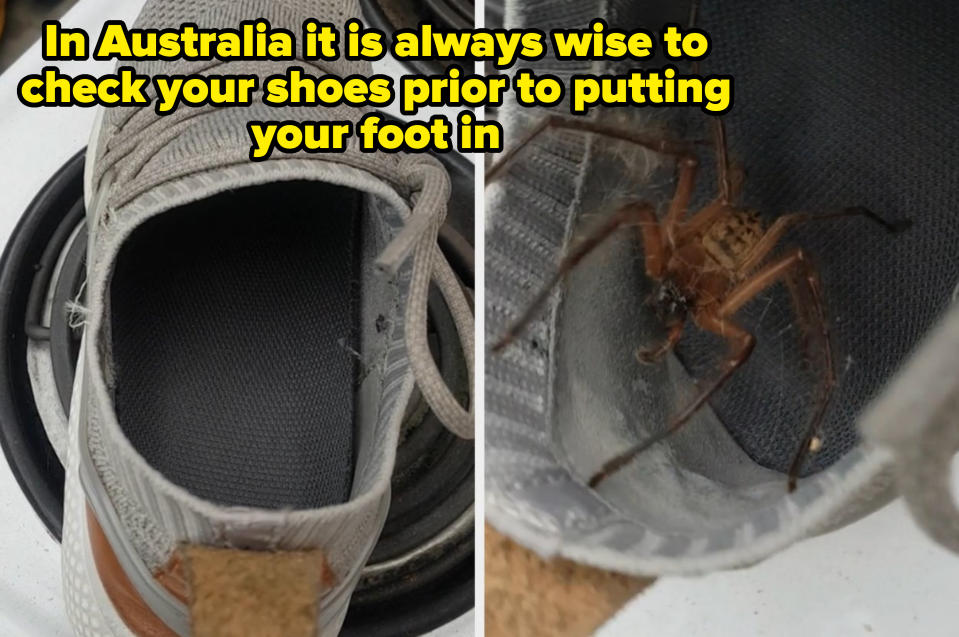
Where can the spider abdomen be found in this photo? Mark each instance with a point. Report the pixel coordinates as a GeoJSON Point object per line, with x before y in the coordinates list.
{"type": "Point", "coordinates": [731, 238]}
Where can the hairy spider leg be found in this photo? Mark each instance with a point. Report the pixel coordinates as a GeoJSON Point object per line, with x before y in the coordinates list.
{"type": "Point", "coordinates": [741, 346]}
{"type": "Point", "coordinates": [784, 222]}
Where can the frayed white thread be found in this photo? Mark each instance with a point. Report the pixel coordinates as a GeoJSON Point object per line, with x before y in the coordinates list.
{"type": "Point", "coordinates": [76, 314]}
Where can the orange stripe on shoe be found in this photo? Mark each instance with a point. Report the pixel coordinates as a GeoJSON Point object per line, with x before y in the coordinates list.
{"type": "Point", "coordinates": [131, 608]}
{"type": "Point", "coordinates": [235, 593]}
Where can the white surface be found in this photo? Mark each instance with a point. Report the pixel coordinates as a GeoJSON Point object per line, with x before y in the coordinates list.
{"type": "Point", "coordinates": [879, 577]}
{"type": "Point", "coordinates": [35, 143]}
{"type": "Point", "coordinates": [30, 598]}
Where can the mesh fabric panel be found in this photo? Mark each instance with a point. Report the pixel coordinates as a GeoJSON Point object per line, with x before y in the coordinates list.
{"type": "Point", "coordinates": [233, 323]}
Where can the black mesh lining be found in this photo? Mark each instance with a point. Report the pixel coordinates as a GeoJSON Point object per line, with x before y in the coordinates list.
{"type": "Point", "coordinates": [837, 104]}
{"type": "Point", "coordinates": [233, 327]}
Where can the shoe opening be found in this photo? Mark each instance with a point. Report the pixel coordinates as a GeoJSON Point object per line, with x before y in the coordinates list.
{"type": "Point", "coordinates": [234, 334]}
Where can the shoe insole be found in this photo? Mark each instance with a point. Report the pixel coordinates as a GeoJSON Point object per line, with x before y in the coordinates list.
{"type": "Point", "coordinates": [234, 330]}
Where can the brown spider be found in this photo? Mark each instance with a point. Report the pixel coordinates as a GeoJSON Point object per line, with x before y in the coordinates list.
{"type": "Point", "coordinates": [706, 267]}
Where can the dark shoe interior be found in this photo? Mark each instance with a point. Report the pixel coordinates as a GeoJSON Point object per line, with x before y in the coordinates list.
{"type": "Point", "coordinates": [234, 329]}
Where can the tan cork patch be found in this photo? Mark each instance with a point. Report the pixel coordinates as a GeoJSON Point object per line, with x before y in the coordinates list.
{"type": "Point", "coordinates": [235, 593]}
{"type": "Point", "coordinates": [527, 596]}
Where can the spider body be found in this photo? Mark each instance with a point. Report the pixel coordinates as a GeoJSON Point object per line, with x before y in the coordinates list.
{"type": "Point", "coordinates": [730, 238]}
{"type": "Point", "coordinates": [705, 267]}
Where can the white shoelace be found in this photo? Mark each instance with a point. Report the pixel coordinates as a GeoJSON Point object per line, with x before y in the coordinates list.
{"type": "Point", "coordinates": [431, 188]}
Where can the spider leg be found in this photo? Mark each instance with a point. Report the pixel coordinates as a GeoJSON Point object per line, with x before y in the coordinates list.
{"type": "Point", "coordinates": [805, 288]}
{"type": "Point", "coordinates": [731, 184]}
{"type": "Point", "coordinates": [806, 292]}
{"type": "Point", "coordinates": [771, 273]}
{"type": "Point", "coordinates": [722, 161]}
{"type": "Point", "coordinates": [741, 346]}
{"type": "Point", "coordinates": [652, 355]}
{"type": "Point", "coordinates": [678, 205]}
{"type": "Point", "coordinates": [775, 233]}
{"type": "Point", "coordinates": [655, 143]}
{"type": "Point", "coordinates": [700, 221]}
{"type": "Point", "coordinates": [729, 174]}
{"type": "Point", "coordinates": [640, 214]}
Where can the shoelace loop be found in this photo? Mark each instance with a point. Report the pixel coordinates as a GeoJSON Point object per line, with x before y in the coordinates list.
{"type": "Point", "coordinates": [430, 186]}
